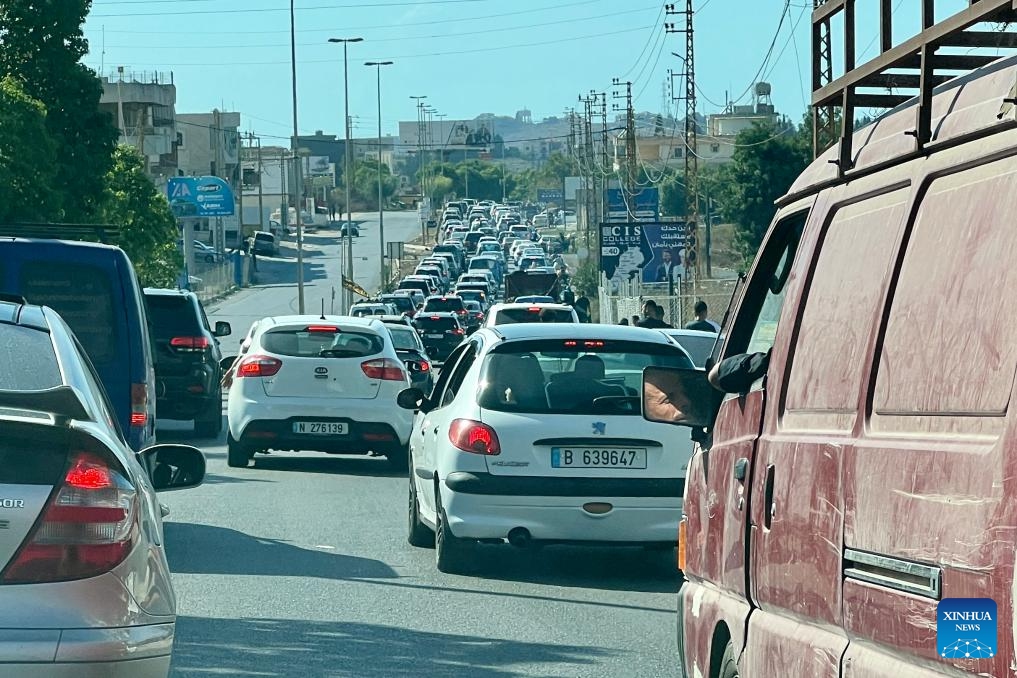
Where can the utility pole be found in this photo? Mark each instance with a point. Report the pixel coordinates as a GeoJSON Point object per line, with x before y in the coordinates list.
{"type": "Point", "coordinates": [631, 161]}
{"type": "Point", "coordinates": [261, 188]}
{"type": "Point", "coordinates": [220, 245]}
{"type": "Point", "coordinates": [381, 204]}
{"type": "Point", "coordinates": [602, 197]}
{"type": "Point", "coordinates": [294, 143]}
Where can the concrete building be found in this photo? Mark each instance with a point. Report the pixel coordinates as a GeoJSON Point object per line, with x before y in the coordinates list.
{"type": "Point", "coordinates": [209, 144]}
{"type": "Point", "coordinates": [143, 105]}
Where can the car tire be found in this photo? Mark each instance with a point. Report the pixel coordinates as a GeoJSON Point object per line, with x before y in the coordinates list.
{"type": "Point", "coordinates": [728, 663]}
{"type": "Point", "coordinates": [419, 534]}
{"type": "Point", "coordinates": [210, 424]}
{"type": "Point", "coordinates": [451, 554]}
{"type": "Point", "coordinates": [398, 457]}
{"type": "Point", "coordinates": [237, 455]}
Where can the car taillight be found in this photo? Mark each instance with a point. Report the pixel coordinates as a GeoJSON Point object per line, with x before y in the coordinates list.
{"type": "Point", "coordinates": [458, 331]}
{"type": "Point", "coordinates": [88, 526]}
{"type": "Point", "coordinates": [473, 436]}
{"type": "Point", "coordinates": [190, 344]}
{"type": "Point", "coordinates": [425, 366]}
{"type": "Point", "coordinates": [384, 369]}
{"type": "Point", "coordinates": [139, 404]}
{"type": "Point", "coordinates": [259, 366]}
{"type": "Point", "coordinates": [683, 527]}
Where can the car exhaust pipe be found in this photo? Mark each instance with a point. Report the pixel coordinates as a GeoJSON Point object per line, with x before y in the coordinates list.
{"type": "Point", "coordinates": [519, 537]}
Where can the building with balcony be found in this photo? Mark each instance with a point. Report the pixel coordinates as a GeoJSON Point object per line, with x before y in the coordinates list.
{"type": "Point", "coordinates": [209, 144]}
{"type": "Point", "coordinates": [142, 104]}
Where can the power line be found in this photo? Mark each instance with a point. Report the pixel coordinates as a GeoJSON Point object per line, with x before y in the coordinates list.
{"type": "Point", "coordinates": [769, 52]}
{"type": "Point", "coordinates": [646, 45]}
{"type": "Point", "coordinates": [262, 10]}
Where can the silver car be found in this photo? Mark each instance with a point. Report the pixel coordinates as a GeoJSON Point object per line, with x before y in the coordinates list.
{"type": "Point", "coordinates": [85, 589]}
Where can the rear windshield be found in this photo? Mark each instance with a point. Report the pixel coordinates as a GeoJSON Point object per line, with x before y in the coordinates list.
{"type": "Point", "coordinates": [404, 338]}
{"type": "Point", "coordinates": [489, 264]}
{"type": "Point", "coordinates": [511, 316]}
{"type": "Point", "coordinates": [472, 237]}
{"type": "Point", "coordinates": [361, 311]}
{"type": "Point", "coordinates": [474, 295]}
{"type": "Point", "coordinates": [490, 247]}
{"type": "Point", "coordinates": [264, 236]}
{"type": "Point", "coordinates": [172, 316]}
{"type": "Point", "coordinates": [303, 343]}
{"type": "Point", "coordinates": [557, 376]}
{"type": "Point", "coordinates": [27, 360]}
{"type": "Point", "coordinates": [440, 324]}
{"type": "Point", "coordinates": [698, 347]}
{"type": "Point", "coordinates": [400, 302]}
{"type": "Point", "coordinates": [83, 296]}
{"type": "Point", "coordinates": [446, 305]}
{"type": "Point", "coordinates": [414, 285]}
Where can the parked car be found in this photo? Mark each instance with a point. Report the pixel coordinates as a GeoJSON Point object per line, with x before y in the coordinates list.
{"type": "Point", "coordinates": [440, 332]}
{"type": "Point", "coordinates": [533, 435]}
{"type": "Point", "coordinates": [85, 588]}
{"type": "Point", "coordinates": [187, 359]}
{"type": "Point", "coordinates": [318, 383]}
{"type": "Point", "coordinates": [96, 291]}
{"type": "Point", "coordinates": [264, 243]}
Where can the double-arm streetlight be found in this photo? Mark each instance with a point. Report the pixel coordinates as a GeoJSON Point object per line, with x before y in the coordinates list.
{"type": "Point", "coordinates": [346, 170]}
{"type": "Point", "coordinates": [381, 205]}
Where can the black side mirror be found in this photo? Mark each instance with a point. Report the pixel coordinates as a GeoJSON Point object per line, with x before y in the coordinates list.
{"type": "Point", "coordinates": [411, 399]}
{"type": "Point", "coordinates": [679, 396]}
{"type": "Point", "coordinates": [223, 329]}
{"type": "Point", "coordinates": [173, 467]}
{"type": "Point", "coordinates": [226, 364]}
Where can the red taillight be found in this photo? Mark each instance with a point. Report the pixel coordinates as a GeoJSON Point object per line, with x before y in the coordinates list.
{"type": "Point", "coordinates": [139, 404]}
{"type": "Point", "coordinates": [384, 369]}
{"type": "Point", "coordinates": [259, 366]}
{"type": "Point", "coordinates": [474, 436]}
{"type": "Point", "coordinates": [458, 331]}
{"type": "Point", "coordinates": [329, 329]}
{"type": "Point", "coordinates": [434, 317]}
{"type": "Point", "coordinates": [534, 309]}
{"type": "Point", "coordinates": [187, 344]}
{"type": "Point", "coordinates": [88, 527]}
{"type": "Point", "coordinates": [425, 366]}
{"type": "Point", "coordinates": [479, 314]}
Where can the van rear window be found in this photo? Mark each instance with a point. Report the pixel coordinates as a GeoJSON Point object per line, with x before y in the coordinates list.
{"type": "Point", "coordinates": [83, 296]}
{"type": "Point", "coordinates": [322, 343]}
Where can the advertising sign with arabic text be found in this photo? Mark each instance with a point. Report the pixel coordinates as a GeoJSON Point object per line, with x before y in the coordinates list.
{"type": "Point", "coordinates": [652, 252]}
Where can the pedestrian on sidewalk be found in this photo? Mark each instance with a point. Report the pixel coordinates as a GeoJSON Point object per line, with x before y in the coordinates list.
{"type": "Point", "coordinates": [650, 316]}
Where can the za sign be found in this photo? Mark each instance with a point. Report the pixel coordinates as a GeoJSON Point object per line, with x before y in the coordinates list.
{"type": "Point", "coordinates": [200, 197]}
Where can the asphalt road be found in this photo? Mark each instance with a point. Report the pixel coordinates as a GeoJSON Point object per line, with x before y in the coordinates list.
{"type": "Point", "coordinates": [299, 566]}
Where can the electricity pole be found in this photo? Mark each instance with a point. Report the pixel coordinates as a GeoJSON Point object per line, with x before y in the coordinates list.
{"type": "Point", "coordinates": [296, 175]}
{"type": "Point", "coordinates": [381, 204]}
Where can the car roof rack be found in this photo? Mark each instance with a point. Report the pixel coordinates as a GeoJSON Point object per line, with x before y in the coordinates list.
{"type": "Point", "coordinates": [103, 233]}
{"type": "Point", "coordinates": [900, 72]}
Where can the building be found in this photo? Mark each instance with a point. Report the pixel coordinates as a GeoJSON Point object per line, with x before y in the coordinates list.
{"type": "Point", "coordinates": [209, 144]}
{"type": "Point", "coordinates": [143, 104]}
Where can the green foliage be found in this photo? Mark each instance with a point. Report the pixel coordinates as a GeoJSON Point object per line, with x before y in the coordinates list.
{"type": "Point", "coordinates": [438, 187]}
{"type": "Point", "coordinates": [41, 46]}
{"type": "Point", "coordinates": [149, 230]}
{"type": "Point", "coordinates": [27, 158]}
{"type": "Point", "coordinates": [364, 187]}
{"type": "Point", "coordinates": [586, 279]}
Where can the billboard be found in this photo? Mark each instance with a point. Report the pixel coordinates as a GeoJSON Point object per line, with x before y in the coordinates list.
{"type": "Point", "coordinates": [200, 197]}
{"type": "Point", "coordinates": [317, 166]}
{"type": "Point", "coordinates": [550, 196]}
{"type": "Point", "coordinates": [650, 252]}
{"type": "Point", "coordinates": [644, 205]}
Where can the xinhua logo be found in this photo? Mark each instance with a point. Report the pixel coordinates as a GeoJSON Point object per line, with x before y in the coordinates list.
{"type": "Point", "coordinates": [966, 628]}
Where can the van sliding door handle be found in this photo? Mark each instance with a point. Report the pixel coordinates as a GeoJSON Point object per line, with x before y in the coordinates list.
{"type": "Point", "coordinates": [741, 469]}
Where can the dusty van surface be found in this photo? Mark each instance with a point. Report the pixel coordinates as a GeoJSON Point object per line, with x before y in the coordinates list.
{"type": "Point", "coordinates": [871, 473]}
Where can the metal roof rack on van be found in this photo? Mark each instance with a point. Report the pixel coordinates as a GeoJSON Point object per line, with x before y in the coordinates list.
{"type": "Point", "coordinates": [917, 65]}
{"type": "Point", "coordinates": [103, 233]}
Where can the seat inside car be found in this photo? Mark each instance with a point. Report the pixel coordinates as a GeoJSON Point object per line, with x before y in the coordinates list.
{"type": "Point", "coordinates": [514, 381]}
{"type": "Point", "coordinates": [577, 389]}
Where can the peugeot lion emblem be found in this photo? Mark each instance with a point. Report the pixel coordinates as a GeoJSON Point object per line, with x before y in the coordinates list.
{"type": "Point", "coordinates": [599, 428]}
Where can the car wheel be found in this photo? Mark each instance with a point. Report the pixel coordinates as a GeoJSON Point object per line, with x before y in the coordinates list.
{"type": "Point", "coordinates": [398, 457]}
{"type": "Point", "coordinates": [728, 663]}
{"type": "Point", "coordinates": [210, 425]}
{"type": "Point", "coordinates": [419, 534]}
{"type": "Point", "coordinates": [237, 456]}
{"type": "Point", "coordinates": [450, 552]}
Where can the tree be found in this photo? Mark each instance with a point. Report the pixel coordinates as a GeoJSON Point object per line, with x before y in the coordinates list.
{"type": "Point", "coordinates": [41, 46]}
{"type": "Point", "coordinates": [149, 231]}
{"type": "Point", "coordinates": [27, 158]}
{"type": "Point", "coordinates": [439, 187]}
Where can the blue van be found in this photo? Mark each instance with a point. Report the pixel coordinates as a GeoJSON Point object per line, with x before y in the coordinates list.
{"type": "Point", "coordinates": [96, 291]}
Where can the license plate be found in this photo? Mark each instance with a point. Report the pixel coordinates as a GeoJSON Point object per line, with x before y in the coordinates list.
{"type": "Point", "coordinates": [435, 336]}
{"type": "Point", "coordinates": [602, 457]}
{"type": "Point", "coordinates": [321, 428]}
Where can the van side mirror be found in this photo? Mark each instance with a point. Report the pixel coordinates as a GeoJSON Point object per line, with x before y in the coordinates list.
{"type": "Point", "coordinates": [223, 329]}
{"type": "Point", "coordinates": [173, 467]}
{"type": "Point", "coordinates": [679, 396]}
{"type": "Point", "coordinates": [411, 399]}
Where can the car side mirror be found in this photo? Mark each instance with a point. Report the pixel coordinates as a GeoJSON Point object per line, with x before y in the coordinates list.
{"type": "Point", "coordinates": [226, 364]}
{"type": "Point", "coordinates": [173, 467]}
{"type": "Point", "coordinates": [411, 399]}
{"type": "Point", "coordinates": [223, 329]}
{"type": "Point", "coordinates": [679, 396]}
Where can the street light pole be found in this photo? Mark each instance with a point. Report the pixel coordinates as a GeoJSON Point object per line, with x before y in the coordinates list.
{"type": "Point", "coordinates": [296, 174]}
{"type": "Point", "coordinates": [346, 170]}
{"type": "Point", "coordinates": [381, 208]}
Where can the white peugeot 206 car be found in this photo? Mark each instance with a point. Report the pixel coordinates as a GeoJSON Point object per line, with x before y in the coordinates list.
{"type": "Point", "coordinates": [326, 384]}
{"type": "Point", "coordinates": [533, 434]}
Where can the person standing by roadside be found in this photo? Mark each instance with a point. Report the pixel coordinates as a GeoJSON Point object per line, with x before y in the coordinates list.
{"type": "Point", "coordinates": [701, 322]}
{"type": "Point", "coordinates": [650, 319]}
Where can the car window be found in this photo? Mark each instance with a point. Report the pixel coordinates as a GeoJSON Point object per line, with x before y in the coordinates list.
{"type": "Point", "coordinates": [572, 376]}
{"type": "Point", "coordinates": [509, 316]}
{"type": "Point", "coordinates": [172, 316]}
{"type": "Point", "coordinates": [404, 338]}
{"type": "Point", "coordinates": [322, 343]}
{"type": "Point", "coordinates": [458, 374]}
{"type": "Point", "coordinates": [27, 360]}
{"type": "Point", "coordinates": [83, 296]}
{"type": "Point", "coordinates": [441, 324]}
{"type": "Point", "coordinates": [101, 397]}
{"type": "Point", "coordinates": [446, 305]}
{"type": "Point", "coordinates": [446, 372]}
{"type": "Point", "coordinates": [699, 348]}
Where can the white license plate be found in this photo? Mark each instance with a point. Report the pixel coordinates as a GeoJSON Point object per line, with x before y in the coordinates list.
{"type": "Point", "coordinates": [321, 428]}
{"type": "Point", "coordinates": [602, 457]}
{"type": "Point", "coordinates": [435, 336]}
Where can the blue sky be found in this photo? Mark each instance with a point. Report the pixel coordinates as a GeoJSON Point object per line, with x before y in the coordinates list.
{"type": "Point", "coordinates": [468, 56]}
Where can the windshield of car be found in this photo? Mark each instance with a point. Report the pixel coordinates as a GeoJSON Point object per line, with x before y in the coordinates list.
{"type": "Point", "coordinates": [577, 376]}
{"type": "Point", "coordinates": [322, 342]}
{"type": "Point", "coordinates": [445, 304]}
{"type": "Point", "coordinates": [404, 338]}
{"type": "Point", "coordinates": [534, 314]}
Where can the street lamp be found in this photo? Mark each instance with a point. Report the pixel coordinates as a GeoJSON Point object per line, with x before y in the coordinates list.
{"type": "Point", "coordinates": [346, 170]}
{"type": "Point", "coordinates": [381, 212]}
{"type": "Point", "coordinates": [296, 174]}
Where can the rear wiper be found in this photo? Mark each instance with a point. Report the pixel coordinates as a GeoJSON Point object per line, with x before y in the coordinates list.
{"type": "Point", "coordinates": [624, 403]}
{"type": "Point", "coordinates": [337, 353]}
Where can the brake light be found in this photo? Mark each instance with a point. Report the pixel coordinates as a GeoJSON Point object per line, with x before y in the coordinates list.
{"type": "Point", "coordinates": [473, 436]}
{"type": "Point", "coordinates": [478, 314]}
{"type": "Point", "coordinates": [683, 527]}
{"type": "Point", "coordinates": [385, 369]}
{"type": "Point", "coordinates": [534, 309]}
{"type": "Point", "coordinates": [189, 344]}
{"type": "Point", "coordinates": [458, 331]}
{"type": "Point", "coordinates": [425, 366]}
{"type": "Point", "coordinates": [139, 404]}
{"type": "Point", "coordinates": [259, 366]}
{"type": "Point", "coordinates": [329, 329]}
{"type": "Point", "coordinates": [88, 527]}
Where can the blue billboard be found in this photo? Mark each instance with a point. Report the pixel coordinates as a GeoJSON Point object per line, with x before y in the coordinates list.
{"type": "Point", "coordinates": [548, 196]}
{"type": "Point", "coordinates": [200, 197]}
{"type": "Point", "coordinates": [650, 252]}
{"type": "Point", "coordinates": [641, 206]}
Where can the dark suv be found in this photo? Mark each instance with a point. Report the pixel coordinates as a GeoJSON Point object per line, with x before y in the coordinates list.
{"type": "Point", "coordinates": [187, 355]}
{"type": "Point", "coordinates": [446, 304]}
{"type": "Point", "coordinates": [440, 332]}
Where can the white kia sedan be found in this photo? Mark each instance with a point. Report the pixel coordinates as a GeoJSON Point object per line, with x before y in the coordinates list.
{"type": "Point", "coordinates": [318, 383]}
{"type": "Point", "coordinates": [533, 434]}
